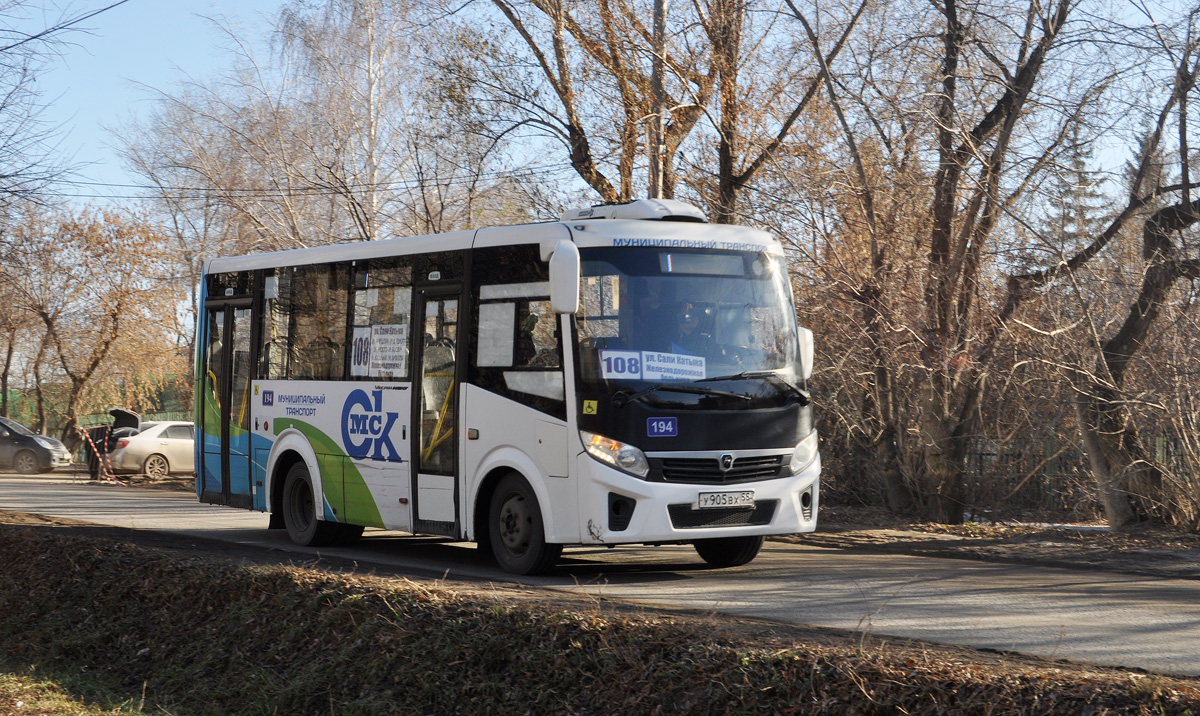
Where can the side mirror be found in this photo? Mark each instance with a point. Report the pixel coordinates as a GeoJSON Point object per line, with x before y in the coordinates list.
{"type": "Point", "coordinates": [564, 277]}
{"type": "Point", "coordinates": [806, 352]}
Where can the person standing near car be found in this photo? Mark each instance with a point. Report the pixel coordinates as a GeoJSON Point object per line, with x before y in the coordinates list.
{"type": "Point", "coordinates": [95, 448]}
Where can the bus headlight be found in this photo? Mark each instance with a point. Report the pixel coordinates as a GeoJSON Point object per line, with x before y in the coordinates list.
{"type": "Point", "coordinates": [615, 453]}
{"type": "Point", "coordinates": [804, 453]}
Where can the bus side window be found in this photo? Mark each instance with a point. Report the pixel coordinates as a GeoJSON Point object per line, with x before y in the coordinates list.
{"type": "Point", "coordinates": [517, 350]}
{"type": "Point", "coordinates": [277, 308]}
{"type": "Point", "coordinates": [598, 320]}
{"type": "Point", "coordinates": [496, 345]}
{"type": "Point", "coordinates": [382, 326]}
{"type": "Point", "coordinates": [318, 322]}
{"type": "Point", "coordinates": [520, 334]}
{"type": "Point", "coordinates": [537, 336]}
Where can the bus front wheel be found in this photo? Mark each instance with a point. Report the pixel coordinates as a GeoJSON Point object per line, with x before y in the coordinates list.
{"type": "Point", "coordinates": [518, 535]}
{"type": "Point", "coordinates": [300, 510]}
{"type": "Point", "coordinates": [728, 551]}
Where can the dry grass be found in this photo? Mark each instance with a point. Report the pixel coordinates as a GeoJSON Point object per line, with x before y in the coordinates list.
{"type": "Point", "coordinates": [26, 696]}
{"type": "Point", "coordinates": [109, 622]}
{"type": "Point", "coordinates": [1138, 536]}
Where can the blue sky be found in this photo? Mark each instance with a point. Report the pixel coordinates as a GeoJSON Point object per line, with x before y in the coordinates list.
{"type": "Point", "coordinates": [96, 81]}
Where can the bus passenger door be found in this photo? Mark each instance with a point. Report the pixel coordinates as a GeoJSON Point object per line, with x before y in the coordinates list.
{"type": "Point", "coordinates": [435, 407]}
{"type": "Point", "coordinates": [225, 468]}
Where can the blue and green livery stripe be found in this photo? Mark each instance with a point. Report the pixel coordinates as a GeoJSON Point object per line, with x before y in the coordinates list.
{"type": "Point", "coordinates": [358, 504]}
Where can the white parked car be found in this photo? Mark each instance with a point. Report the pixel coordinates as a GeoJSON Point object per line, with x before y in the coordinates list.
{"type": "Point", "coordinates": [158, 449]}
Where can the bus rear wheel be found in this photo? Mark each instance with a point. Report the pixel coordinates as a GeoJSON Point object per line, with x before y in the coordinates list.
{"type": "Point", "coordinates": [728, 551]}
{"type": "Point", "coordinates": [517, 533]}
{"type": "Point", "coordinates": [300, 510]}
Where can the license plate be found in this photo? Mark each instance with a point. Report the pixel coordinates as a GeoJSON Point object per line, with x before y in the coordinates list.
{"type": "Point", "coordinates": [709, 500]}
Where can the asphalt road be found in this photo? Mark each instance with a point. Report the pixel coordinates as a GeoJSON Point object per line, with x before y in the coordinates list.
{"type": "Point", "coordinates": [1094, 617]}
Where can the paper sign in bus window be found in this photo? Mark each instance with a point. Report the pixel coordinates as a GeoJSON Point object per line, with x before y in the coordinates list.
{"type": "Point", "coordinates": [379, 350]}
{"type": "Point", "coordinates": [389, 349]}
{"type": "Point", "coordinates": [665, 367]}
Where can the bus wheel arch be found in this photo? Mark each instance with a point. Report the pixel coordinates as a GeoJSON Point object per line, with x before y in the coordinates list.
{"type": "Point", "coordinates": [516, 530]}
{"type": "Point", "coordinates": [482, 507]}
{"type": "Point", "coordinates": [283, 463]}
{"type": "Point", "coordinates": [483, 498]}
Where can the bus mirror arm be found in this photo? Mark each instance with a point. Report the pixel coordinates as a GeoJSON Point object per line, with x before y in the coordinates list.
{"type": "Point", "coordinates": [564, 275]}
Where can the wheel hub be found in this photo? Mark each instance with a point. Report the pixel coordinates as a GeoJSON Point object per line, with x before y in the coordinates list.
{"type": "Point", "coordinates": [514, 524]}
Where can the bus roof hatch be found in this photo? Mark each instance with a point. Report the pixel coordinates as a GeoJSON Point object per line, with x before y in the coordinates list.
{"type": "Point", "coordinates": [648, 209]}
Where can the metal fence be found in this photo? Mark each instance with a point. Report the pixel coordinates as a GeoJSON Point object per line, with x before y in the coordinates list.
{"type": "Point", "coordinates": [1051, 473]}
{"type": "Point", "coordinates": [1036, 473]}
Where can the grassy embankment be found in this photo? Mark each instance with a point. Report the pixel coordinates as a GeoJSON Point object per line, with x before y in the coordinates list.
{"type": "Point", "coordinates": [130, 629]}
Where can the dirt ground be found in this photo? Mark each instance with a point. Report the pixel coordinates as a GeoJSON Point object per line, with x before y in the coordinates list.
{"type": "Point", "coordinates": [1141, 549]}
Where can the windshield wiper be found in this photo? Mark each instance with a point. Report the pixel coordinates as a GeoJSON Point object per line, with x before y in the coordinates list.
{"type": "Point", "coordinates": [621, 398]}
{"type": "Point", "coordinates": [804, 396]}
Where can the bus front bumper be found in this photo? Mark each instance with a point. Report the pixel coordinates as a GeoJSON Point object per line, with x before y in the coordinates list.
{"type": "Point", "coordinates": [618, 508]}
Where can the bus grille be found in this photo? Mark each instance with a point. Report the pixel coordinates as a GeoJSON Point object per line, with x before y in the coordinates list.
{"type": "Point", "coordinates": [685, 517]}
{"type": "Point", "coordinates": [708, 470]}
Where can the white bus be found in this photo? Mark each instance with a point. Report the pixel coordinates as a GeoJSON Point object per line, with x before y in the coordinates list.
{"type": "Point", "coordinates": [627, 375]}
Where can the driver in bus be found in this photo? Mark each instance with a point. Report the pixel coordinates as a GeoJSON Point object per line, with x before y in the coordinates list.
{"type": "Point", "coordinates": [687, 336]}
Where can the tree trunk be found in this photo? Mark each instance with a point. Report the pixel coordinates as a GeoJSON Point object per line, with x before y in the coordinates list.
{"type": "Point", "coordinates": [1117, 508]}
{"type": "Point", "coordinates": [39, 421]}
{"type": "Point", "coordinates": [942, 477]}
{"type": "Point", "coordinates": [880, 404]}
{"type": "Point", "coordinates": [887, 460]}
{"type": "Point", "coordinates": [8, 356]}
{"type": "Point", "coordinates": [1115, 450]}
{"type": "Point", "coordinates": [727, 47]}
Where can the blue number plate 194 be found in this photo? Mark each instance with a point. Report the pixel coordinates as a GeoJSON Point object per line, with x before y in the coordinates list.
{"type": "Point", "coordinates": [662, 427]}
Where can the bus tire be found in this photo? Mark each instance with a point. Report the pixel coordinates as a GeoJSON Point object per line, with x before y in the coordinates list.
{"type": "Point", "coordinates": [300, 510]}
{"type": "Point", "coordinates": [728, 551]}
{"type": "Point", "coordinates": [516, 530]}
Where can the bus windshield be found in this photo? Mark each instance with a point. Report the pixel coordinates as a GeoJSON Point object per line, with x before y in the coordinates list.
{"type": "Point", "coordinates": [653, 316]}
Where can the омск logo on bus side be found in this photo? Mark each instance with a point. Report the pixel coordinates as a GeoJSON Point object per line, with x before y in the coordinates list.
{"type": "Point", "coordinates": [367, 428]}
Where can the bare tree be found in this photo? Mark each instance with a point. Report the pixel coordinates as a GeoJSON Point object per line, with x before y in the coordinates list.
{"type": "Point", "coordinates": [87, 279]}
{"type": "Point", "coordinates": [199, 221]}
{"type": "Point", "coordinates": [582, 76]}
{"type": "Point", "coordinates": [336, 135]}
{"type": "Point", "coordinates": [31, 34]}
{"type": "Point", "coordinates": [15, 322]}
{"type": "Point", "coordinates": [951, 127]}
{"type": "Point", "coordinates": [1131, 483]}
